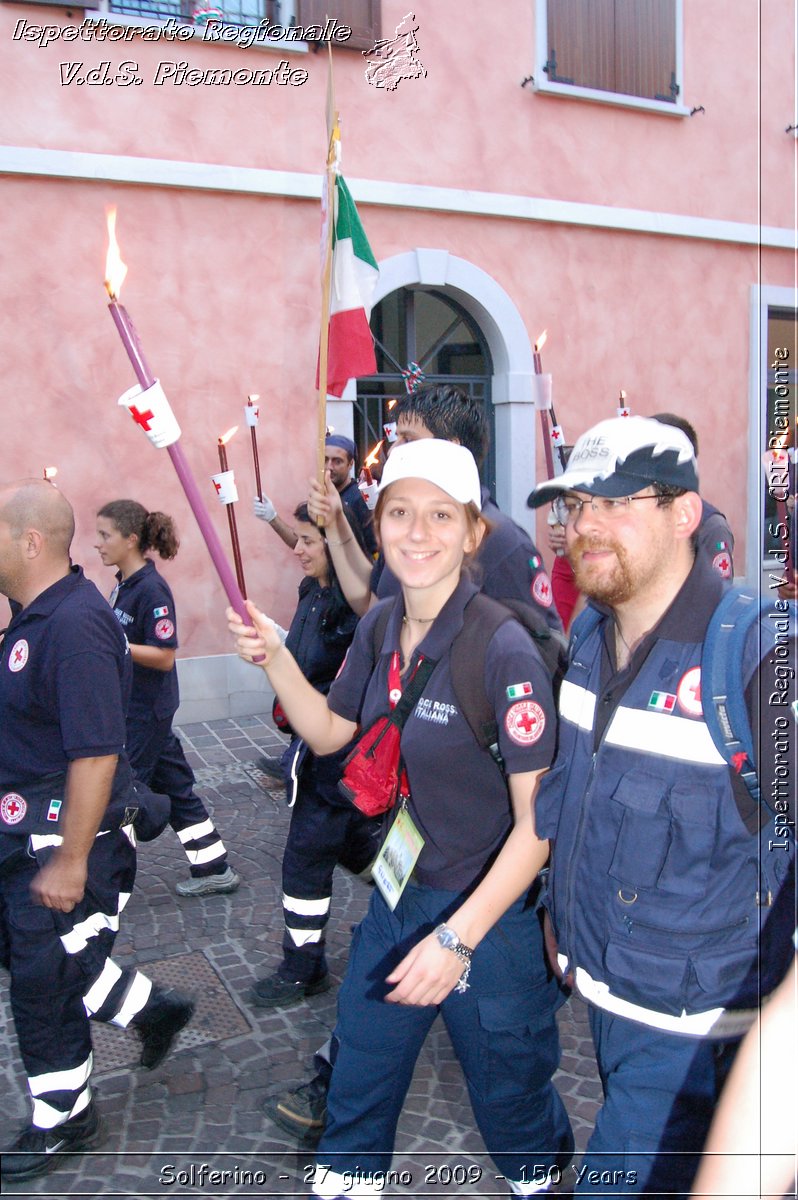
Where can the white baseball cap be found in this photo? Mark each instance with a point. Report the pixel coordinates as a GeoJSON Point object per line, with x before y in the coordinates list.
{"type": "Point", "coordinates": [621, 456]}
{"type": "Point", "coordinates": [446, 464]}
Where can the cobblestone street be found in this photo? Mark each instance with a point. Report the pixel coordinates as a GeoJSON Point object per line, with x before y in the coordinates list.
{"type": "Point", "coordinates": [202, 1109]}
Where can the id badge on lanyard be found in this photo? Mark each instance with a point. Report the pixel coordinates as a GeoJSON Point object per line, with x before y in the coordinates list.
{"type": "Point", "coordinates": [400, 850]}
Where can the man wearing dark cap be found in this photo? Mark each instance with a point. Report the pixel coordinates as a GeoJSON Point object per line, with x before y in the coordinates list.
{"type": "Point", "coordinates": [339, 460]}
{"type": "Point", "coordinates": [670, 898]}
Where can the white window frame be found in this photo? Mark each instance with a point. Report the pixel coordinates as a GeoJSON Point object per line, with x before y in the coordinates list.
{"type": "Point", "coordinates": [619, 99]}
{"type": "Point", "coordinates": [763, 298]}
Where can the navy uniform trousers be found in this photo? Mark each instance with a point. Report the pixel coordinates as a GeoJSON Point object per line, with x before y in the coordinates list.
{"type": "Point", "coordinates": [503, 1030]}
{"type": "Point", "coordinates": [157, 759]}
{"type": "Point", "coordinates": [325, 830]}
{"type": "Point", "coordinates": [660, 1093]}
{"type": "Point", "coordinates": [54, 958]}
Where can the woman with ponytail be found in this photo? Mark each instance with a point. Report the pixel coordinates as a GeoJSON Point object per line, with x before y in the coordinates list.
{"type": "Point", "coordinates": [143, 603]}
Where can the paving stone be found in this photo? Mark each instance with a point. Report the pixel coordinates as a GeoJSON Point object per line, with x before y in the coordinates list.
{"type": "Point", "coordinates": [207, 1098]}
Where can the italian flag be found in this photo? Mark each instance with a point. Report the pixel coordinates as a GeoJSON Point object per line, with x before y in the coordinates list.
{"type": "Point", "coordinates": [353, 279]}
{"type": "Point", "coordinates": [662, 701]}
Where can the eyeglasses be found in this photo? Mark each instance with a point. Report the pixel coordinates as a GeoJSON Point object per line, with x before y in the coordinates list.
{"type": "Point", "coordinates": [609, 508]}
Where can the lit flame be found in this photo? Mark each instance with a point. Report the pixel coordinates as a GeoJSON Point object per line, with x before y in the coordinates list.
{"type": "Point", "coordinates": [225, 438]}
{"type": "Point", "coordinates": [622, 397]}
{"type": "Point", "coordinates": [50, 472]}
{"type": "Point", "coordinates": [541, 342]}
{"type": "Point", "coordinates": [115, 269]}
{"type": "Point", "coordinates": [392, 404]}
{"type": "Point", "coordinates": [254, 398]}
{"type": "Point", "coordinates": [374, 455]}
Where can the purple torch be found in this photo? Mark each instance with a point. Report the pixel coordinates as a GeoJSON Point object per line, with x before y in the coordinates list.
{"type": "Point", "coordinates": [155, 416]}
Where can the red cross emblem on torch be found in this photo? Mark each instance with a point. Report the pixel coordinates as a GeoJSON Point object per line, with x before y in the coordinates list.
{"type": "Point", "coordinates": [142, 419]}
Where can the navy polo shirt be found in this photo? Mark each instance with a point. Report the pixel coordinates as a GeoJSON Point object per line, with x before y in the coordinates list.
{"type": "Point", "coordinates": [65, 674]}
{"type": "Point", "coordinates": [360, 513]}
{"type": "Point", "coordinates": [508, 567]}
{"type": "Point", "coordinates": [459, 798]}
{"type": "Point", "coordinates": [318, 640]}
{"type": "Point", "coordinates": [144, 606]}
{"type": "Point", "coordinates": [715, 539]}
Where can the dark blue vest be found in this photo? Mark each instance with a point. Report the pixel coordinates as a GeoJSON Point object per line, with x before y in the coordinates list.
{"type": "Point", "coordinates": [656, 887]}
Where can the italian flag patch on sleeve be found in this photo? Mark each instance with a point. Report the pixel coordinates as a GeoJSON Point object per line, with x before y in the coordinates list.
{"type": "Point", "coordinates": [516, 691]}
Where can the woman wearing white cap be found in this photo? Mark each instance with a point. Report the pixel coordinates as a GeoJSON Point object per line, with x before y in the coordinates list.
{"type": "Point", "coordinates": [450, 927]}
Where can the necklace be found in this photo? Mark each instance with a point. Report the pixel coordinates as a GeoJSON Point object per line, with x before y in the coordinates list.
{"type": "Point", "coordinates": [622, 658]}
{"type": "Point", "coordinates": [418, 620]}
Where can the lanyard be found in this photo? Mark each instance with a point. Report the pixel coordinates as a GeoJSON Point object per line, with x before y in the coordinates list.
{"type": "Point", "coordinates": [395, 678]}
{"type": "Point", "coordinates": [394, 696]}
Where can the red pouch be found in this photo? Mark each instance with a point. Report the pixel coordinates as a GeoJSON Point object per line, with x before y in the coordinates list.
{"type": "Point", "coordinates": [371, 773]}
{"type": "Point", "coordinates": [279, 717]}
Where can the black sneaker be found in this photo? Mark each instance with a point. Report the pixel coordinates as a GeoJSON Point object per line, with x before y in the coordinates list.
{"type": "Point", "coordinates": [273, 767]}
{"type": "Point", "coordinates": [302, 1112]}
{"type": "Point", "coordinates": [37, 1151]}
{"type": "Point", "coordinates": [159, 1023]}
{"type": "Point", "coordinates": [278, 992]}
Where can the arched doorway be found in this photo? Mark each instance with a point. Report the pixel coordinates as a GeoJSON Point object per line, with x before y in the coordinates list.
{"type": "Point", "coordinates": [427, 327]}
{"type": "Point", "coordinates": [511, 392]}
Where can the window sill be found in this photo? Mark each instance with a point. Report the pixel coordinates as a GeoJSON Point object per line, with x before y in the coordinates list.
{"type": "Point", "coordinates": [203, 32]}
{"type": "Point", "coordinates": [567, 90]}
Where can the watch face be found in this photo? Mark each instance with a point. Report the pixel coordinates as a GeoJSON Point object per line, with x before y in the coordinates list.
{"type": "Point", "coordinates": [447, 937]}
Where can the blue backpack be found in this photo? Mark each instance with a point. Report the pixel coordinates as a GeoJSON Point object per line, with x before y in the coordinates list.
{"type": "Point", "coordinates": [730, 656]}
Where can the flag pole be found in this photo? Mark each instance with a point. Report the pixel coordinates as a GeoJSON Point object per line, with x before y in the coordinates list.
{"type": "Point", "coordinates": [333, 153]}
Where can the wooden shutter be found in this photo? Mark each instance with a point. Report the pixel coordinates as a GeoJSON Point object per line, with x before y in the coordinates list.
{"type": "Point", "coordinates": [623, 46]}
{"type": "Point", "coordinates": [362, 16]}
{"type": "Point", "coordinates": [645, 48]}
{"type": "Point", "coordinates": [581, 43]}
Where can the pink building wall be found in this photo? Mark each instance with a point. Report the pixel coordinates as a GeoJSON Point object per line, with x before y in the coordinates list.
{"type": "Point", "coordinates": [223, 286]}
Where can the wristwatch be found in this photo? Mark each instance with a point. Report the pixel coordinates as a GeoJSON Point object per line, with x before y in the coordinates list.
{"type": "Point", "coordinates": [450, 941]}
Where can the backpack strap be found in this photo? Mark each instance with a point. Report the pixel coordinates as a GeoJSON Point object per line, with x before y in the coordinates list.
{"type": "Point", "coordinates": [415, 686]}
{"type": "Point", "coordinates": [379, 627]}
{"type": "Point", "coordinates": [728, 660]}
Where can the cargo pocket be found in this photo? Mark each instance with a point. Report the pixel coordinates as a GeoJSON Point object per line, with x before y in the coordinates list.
{"type": "Point", "coordinates": [692, 840]}
{"type": "Point", "coordinates": [723, 977]}
{"type": "Point", "coordinates": [519, 1046]}
{"type": "Point", "coordinates": [654, 981]}
{"type": "Point", "coordinates": [644, 833]}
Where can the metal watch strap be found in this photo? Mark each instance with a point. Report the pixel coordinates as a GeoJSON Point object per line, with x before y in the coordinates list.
{"type": "Point", "coordinates": [463, 952]}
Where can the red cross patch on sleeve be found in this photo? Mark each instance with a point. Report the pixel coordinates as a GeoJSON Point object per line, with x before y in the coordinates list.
{"type": "Point", "coordinates": [541, 589]}
{"type": "Point", "coordinates": [525, 722]}
{"type": "Point", "coordinates": [18, 656]}
{"type": "Point", "coordinates": [12, 808]}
